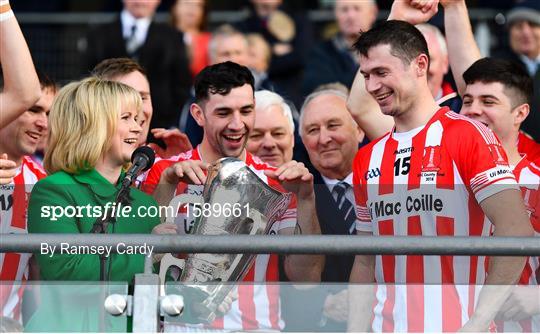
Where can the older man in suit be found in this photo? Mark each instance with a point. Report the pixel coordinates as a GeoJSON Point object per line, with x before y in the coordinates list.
{"type": "Point", "coordinates": [331, 138]}
{"type": "Point", "coordinates": [157, 47]}
{"type": "Point", "coordinates": [523, 23]}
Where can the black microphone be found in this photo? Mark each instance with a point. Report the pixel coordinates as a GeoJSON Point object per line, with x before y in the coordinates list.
{"type": "Point", "coordinates": [142, 159]}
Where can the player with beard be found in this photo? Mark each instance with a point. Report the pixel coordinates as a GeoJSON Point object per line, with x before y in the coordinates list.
{"type": "Point", "coordinates": [421, 154]}
{"type": "Point", "coordinates": [225, 108]}
{"type": "Point", "coordinates": [20, 139]}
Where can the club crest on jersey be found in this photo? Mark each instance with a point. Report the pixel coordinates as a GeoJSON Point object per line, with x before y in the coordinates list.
{"type": "Point", "coordinates": [497, 155]}
{"type": "Point", "coordinates": [432, 159]}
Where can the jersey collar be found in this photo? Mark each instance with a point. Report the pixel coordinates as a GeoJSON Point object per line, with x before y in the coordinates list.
{"type": "Point", "coordinates": [434, 118]}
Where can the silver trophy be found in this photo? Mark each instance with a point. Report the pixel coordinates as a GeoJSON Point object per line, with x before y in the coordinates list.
{"type": "Point", "coordinates": [254, 208]}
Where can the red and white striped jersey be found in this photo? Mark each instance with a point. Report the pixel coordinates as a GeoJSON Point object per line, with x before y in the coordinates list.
{"type": "Point", "coordinates": [528, 176]}
{"type": "Point", "coordinates": [257, 306]}
{"type": "Point", "coordinates": [143, 176]}
{"type": "Point", "coordinates": [527, 145]}
{"type": "Point", "coordinates": [14, 204]}
{"type": "Point", "coordinates": [428, 182]}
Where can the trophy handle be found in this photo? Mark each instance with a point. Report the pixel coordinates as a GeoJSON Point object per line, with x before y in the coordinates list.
{"type": "Point", "coordinates": [168, 259]}
{"type": "Point", "coordinates": [258, 224]}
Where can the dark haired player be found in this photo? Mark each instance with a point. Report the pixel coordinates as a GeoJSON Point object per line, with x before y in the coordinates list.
{"type": "Point", "coordinates": [435, 174]}
{"type": "Point", "coordinates": [20, 139]}
{"type": "Point", "coordinates": [224, 107]}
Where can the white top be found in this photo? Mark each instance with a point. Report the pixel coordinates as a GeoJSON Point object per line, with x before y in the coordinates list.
{"type": "Point", "coordinates": [129, 20]}
{"type": "Point", "coordinates": [530, 64]}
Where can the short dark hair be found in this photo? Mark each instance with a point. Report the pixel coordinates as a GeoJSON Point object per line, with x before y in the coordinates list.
{"type": "Point", "coordinates": [405, 40]}
{"type": "Point", "coordinates": [45, 82]}
{"type": "Point", "coordinates": [112, 68]}
{"type": "Point", "coordinates": [511, 75]}
{"type": "Point", "coordinates": [220, 79]}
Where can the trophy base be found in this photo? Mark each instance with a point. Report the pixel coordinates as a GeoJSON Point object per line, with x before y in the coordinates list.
{"type": "Point", "coordinates": [195, 310]}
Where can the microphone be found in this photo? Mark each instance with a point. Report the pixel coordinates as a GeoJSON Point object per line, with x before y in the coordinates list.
{"type": "Point", "coordinates": [142, 159]}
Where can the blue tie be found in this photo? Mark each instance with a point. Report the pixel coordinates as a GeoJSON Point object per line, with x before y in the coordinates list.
{"type": "Point", "coordinates": [344, 205]}
{"type": "Point", "coordinates": [131, 42]}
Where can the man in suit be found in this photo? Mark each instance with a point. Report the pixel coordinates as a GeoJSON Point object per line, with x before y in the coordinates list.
{"type": "Point", "coordinates": [331, 138]}
{"type": "Point", "coordinates": [333, 60]}
{"type": "Point", "coordinates": [290, 36]}
{"type": "Point", "coordinates": [523, 23]}
{"type": "Point", "coordinates": [157, 47]}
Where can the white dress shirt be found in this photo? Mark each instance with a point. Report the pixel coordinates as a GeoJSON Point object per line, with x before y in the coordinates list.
{"type": "Point", "coordinates": [128, 21]}
{"type": "Point", "coordinates": [330, 183]}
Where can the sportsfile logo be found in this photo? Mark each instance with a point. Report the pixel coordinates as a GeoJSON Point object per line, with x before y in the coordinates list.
{"type": "Point", "coordinates": [412, 204]}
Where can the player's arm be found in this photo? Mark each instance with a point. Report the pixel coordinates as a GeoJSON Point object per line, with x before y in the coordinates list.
{"type": "Point", "coordinates": [21, 84]}
{"type": "Point", "coordinates": [361, 292]}
{"type": "Point", "coordinates": [189, 171]}
{"type": "Point", "coordinates": [362, 277]}
{"type": "Point", "coordinates": [462, 48]}
{"type": "Point", "coordinates": [506, 211]}
{"type": "Point", "coordinates": [295, 178]}
{"type": "Point", "coordinates": [523, 303]}
{"type": "Point", "coordinates": [300, 267]}
{"type": "Point", "coordinates": [413, 11]}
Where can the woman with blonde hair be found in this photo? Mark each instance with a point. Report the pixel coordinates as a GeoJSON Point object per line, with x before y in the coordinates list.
{"type": "Point", "coordinates": [93, 133]}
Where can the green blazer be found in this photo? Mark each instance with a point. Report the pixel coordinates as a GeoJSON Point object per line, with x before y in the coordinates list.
{"type": "Point", "coordinates": [88, 192]}
{"type": "Point", "coordinates": [77, 306]}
